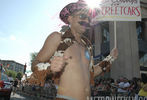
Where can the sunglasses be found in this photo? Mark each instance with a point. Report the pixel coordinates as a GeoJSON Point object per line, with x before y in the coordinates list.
{"type": "Point", "coordinates": [83, 16]}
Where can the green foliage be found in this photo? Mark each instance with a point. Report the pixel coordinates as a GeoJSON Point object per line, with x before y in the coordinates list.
{"type": "Point", "coordinates": [11, 73]}
{"type": "Point", "coordinates": [14, 74]}
{"type": "Point", "coordinates": [33, 56]}
{"type": "Point", "coordinates": [19, 75]}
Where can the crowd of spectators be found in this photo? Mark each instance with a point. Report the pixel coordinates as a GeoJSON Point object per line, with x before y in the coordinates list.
{"type": "Point", "coordinates": [102, 87]}
{"type": "Point", "coordinates": [119, 87]}
{"type": "Point", "coordinates": [47, 91]}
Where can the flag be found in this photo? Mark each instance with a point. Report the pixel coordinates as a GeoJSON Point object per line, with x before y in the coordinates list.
{"type": "Point", "coordinates": [8, 65]}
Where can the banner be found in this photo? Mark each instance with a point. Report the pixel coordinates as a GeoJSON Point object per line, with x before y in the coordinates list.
{"type": "Point", "coordinates": [118, 10]}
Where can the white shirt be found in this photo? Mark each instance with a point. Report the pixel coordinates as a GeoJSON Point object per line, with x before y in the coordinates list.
{"type": "Point", "coordinates": [123, 85]}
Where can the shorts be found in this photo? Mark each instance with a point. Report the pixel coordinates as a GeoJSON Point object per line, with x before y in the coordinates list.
{"type": "Point", "coordinates": [62, 97]}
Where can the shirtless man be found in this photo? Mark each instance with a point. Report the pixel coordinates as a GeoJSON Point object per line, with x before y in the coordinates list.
{"type": "Point", "coordinates": [75, 80]}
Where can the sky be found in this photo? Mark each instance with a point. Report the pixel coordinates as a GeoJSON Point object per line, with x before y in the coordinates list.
{"type": "Point", "coordinates": [24, 26]}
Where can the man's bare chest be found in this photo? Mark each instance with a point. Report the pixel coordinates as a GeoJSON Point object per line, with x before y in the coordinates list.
{"type": "Point", "coordinates": [78, 63]}
{"type": "Point", "coordinates": [77, 54]}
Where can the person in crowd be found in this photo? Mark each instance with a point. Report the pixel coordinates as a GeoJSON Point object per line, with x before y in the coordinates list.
{"type": "Point", "coordinates": [15, 83]}
{"type": "Point", "coordinates": [143, 91]}
{"type": "Point", "coordinates": [123, 86]}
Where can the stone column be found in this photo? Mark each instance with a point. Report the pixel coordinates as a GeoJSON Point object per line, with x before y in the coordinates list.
{"type": "Point", "coordinates": [127, 64]}
{"type": "Point", "coordinates": [145, 31]}
{"type": "Point", "coordinates": [98, 39]}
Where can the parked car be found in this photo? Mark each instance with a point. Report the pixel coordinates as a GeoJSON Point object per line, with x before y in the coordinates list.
{"type": "Point", "coordinates": [5, 88]}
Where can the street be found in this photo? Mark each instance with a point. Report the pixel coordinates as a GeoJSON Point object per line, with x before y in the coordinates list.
{"type": "Point", "coordinates": [23, 96]}
{"type": "Point", "coordinates": [19, 97]}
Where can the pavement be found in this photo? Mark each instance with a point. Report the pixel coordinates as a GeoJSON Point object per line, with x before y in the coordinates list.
{"type": "Point", "coordinates": [17, 96]}
{"type": "Point", "coordinates": [24, 96]}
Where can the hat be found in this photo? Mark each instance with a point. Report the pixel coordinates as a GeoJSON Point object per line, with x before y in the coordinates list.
{"type": "Point", "coordinates": [70, 9]}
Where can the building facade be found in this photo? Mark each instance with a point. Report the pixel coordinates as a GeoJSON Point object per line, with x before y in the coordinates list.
{"type": "Point", "coordinates": [12, 65]}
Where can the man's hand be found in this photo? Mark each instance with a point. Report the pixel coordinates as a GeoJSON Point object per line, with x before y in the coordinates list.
{"type": "Point", "coordinates": [98, 67]}
{"type": "Point", "coordinates": [114, 53]}
{"type": "Point", "coordinates": [58, 63]}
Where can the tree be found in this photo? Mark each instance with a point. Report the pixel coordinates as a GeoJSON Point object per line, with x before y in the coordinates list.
{"type": "Point", "coordinates": [33, 56]}
{"type": "Point", "coordinates": [11, 73]}
{"type": "Point", "coordinates": [19, 75]}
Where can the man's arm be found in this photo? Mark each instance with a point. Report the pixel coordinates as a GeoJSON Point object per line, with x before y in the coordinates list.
{"type": "Point", "coordinates": [98, 69]}
{"type": "Point", "coordinates": [48, 49]}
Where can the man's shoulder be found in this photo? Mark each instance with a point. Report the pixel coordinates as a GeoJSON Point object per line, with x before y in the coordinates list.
{"type": "Point", "coordinates": [54, 36]}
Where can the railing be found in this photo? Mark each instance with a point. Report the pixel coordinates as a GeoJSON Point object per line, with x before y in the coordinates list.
{"type": "Point", "coordinates": [48, 93]}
